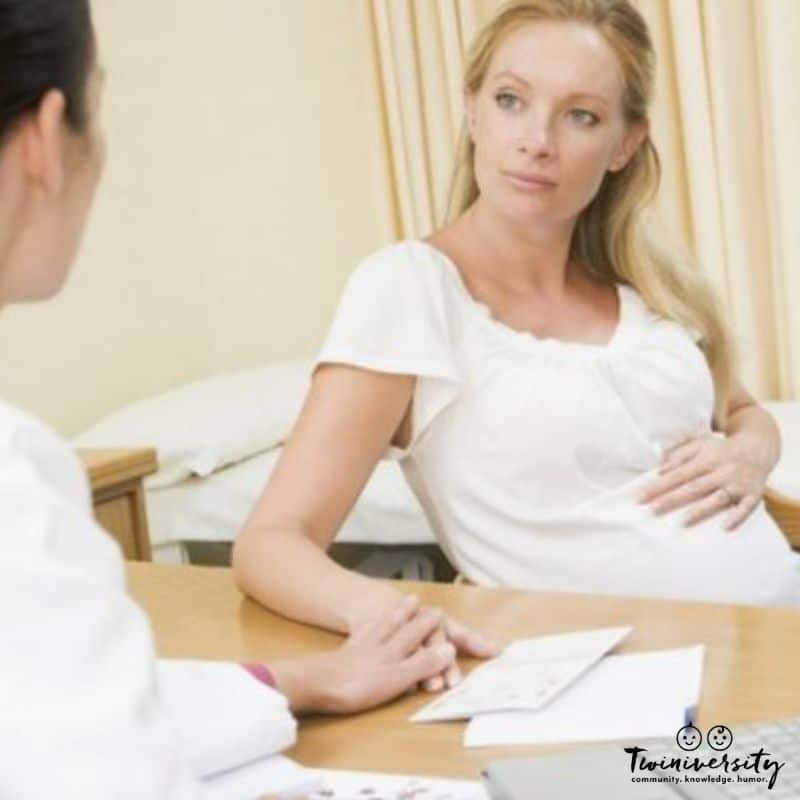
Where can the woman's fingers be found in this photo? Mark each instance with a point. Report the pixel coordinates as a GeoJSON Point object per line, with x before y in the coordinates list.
{"type": "Point", "coordinates": [740, 512]}
{"type": "Point", "coordinates": [435, 683]}
{"type": "Point", "coordinates": [423, 665]}
{"type": "Point", "coordinates": [672, 480]}
{"type": "Point", "coordinates": [680, 455]}
{"type": "Point", "coordinates": [409, 629]}
{"type": "Point", "coordinates": [416, 632]}
{"type": "Point", "coordinates": [685, 494]}
{"type": "Point", "coordinates": [711, 504]}
{"type": "Point", "coordinates": [384, 627]}
{"type": "Point", "coordinates": [469, 642]}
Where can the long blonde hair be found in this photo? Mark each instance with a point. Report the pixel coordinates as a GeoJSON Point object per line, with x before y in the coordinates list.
{"type": "Point", "coordinates": [611, 237]}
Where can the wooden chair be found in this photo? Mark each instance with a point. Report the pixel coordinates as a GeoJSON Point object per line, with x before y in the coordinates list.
{"type": "Point", "coordinates": [783, 502]}
{"type": "Point", "coordinates": [786, 513]}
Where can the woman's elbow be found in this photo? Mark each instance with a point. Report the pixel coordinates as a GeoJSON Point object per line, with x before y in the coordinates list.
{"type": "Point", "coordinates": [245, 561]}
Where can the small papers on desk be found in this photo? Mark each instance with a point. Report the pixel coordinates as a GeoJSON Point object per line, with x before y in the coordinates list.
{"type": "Point", "coordinates": [338, 785]}
{"type": "Point", "coordinates": [283, 778]}
{"type": "Point", "coordinates": [633, 696]}
{"type": "Point", "coordinates": [525, 677]}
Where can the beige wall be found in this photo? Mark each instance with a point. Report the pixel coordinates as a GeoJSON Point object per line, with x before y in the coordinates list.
{"type": "Point", "coordinates": [244, 181]}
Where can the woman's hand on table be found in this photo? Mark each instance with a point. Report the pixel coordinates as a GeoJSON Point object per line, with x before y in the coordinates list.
{"type": "Point", "coordinates": [382, 658]}
{"type": "Point", "coordinates": [708, 475]}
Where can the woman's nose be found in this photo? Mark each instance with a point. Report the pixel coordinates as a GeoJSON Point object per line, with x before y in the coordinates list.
{"type": "Point", "coordinates": [538, 139]}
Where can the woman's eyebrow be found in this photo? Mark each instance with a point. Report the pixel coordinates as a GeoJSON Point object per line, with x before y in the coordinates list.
{"type": "Point", "coordinates": [506, 73]}
{"type": "Point", "coordinates": [597, 97]}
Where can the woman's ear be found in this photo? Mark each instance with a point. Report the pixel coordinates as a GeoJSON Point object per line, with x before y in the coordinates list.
{"type": "Point", "coordinates": [43, 142]}
{"type": "Point", "coordinates": [635, 135]}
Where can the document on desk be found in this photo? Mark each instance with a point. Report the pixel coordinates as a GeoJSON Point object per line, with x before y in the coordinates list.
{"type": "Point", "coordinates": [633, 696]}
{"type": "Point", "coordinates": [525, 677]}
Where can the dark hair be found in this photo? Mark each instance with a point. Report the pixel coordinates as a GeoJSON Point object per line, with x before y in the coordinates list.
{"type": "Point", "coordinates": [44, 44]}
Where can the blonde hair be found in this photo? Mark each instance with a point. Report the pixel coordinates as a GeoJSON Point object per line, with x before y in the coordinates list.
{"type": "Point", "coordinates": [611, 239]}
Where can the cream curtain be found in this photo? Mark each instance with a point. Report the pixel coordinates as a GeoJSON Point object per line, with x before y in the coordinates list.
{"type": "Point", "coordinates": [419, 47]}
{"type": "Point", "coordinates": [726, 122]}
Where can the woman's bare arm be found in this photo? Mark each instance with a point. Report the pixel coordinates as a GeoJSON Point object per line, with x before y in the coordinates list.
{"type": "Point", "coordinates": [349, 418]}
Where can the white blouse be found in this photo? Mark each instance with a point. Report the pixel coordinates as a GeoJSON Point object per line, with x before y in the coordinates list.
{"type": "Point", "coordinates": [526, 454]}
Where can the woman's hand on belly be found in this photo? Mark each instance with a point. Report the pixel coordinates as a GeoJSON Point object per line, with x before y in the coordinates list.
{"type": "Point", "coordinates": [708, 475]}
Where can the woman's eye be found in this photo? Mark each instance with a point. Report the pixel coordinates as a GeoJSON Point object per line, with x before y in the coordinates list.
{"type": "Point", "coordinates": [583, 117]}
{"type": "Point", "coordinates": [506, 100]}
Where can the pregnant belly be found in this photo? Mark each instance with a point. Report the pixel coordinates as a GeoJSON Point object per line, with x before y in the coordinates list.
{"type": "Point", "coordinates": [614, 545]}
{"type": "Point", "coordinates": [752, 564]}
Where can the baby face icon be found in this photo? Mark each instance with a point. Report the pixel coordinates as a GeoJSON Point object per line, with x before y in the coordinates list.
{"type": "Point", "coordinates": [720, 737]}
{"type": "Point", "coordinates": [689, 738]}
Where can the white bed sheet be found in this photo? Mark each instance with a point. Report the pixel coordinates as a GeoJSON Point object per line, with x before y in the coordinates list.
{"type": "Point", "coordinates": [213, 509]}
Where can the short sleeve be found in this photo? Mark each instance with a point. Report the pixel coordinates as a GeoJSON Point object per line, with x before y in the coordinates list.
{"type": "Point", "coordinates": [397, 315]}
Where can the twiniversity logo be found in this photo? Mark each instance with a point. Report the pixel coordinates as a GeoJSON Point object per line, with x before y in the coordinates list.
{"type": "Point", "coordinates": [718, 767]}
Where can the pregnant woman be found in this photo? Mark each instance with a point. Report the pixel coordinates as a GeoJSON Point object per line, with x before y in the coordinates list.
{"type": "Point", "coordinates": [559, 389]}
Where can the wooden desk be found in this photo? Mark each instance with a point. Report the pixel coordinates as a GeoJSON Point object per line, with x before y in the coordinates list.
{"type": "Point", "coordinates": [752, 668]}
{"type": "Point", "coordinates": [118, 495]}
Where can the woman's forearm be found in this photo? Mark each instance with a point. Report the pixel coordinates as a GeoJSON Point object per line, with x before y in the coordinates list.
{"type": "Point", "coordinates": [290, 574]}
{"type": "Point", "coordinates": [755, 429]}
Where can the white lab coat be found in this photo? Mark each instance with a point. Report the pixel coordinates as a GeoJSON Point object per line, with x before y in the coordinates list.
{"type": "Point", "coordinates": [79, 716]}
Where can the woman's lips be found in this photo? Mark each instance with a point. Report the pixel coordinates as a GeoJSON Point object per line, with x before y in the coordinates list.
{"type": "Point", "coordinates": [529, 183]}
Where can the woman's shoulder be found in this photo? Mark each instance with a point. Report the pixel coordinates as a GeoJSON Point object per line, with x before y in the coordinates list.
{"type": "Point", "coordinates": [406, 266]}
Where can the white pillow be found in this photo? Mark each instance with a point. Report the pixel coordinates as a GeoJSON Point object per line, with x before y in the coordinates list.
{"type": "Point", "coordinates": [785, 478]}
{"type": "Point", "coordinates": [204, 426]}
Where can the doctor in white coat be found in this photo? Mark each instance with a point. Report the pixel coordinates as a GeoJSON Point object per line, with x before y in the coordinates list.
{"type": "Point", "coordinates": [79, 716]}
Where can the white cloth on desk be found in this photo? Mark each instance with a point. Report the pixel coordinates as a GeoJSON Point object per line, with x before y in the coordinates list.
{"type": "Point", "coordinates": [79, 715]}
{"type": "Point", "coordinates": [222, 716]}
{"type": "Point", "coordinates": [526, 453]}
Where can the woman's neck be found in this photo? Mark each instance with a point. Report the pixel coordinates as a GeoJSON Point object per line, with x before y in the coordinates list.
{"type": "Point", "coordinates": [533, 257]}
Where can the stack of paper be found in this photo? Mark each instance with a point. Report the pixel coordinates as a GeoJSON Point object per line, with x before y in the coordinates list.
{"type": "Point", "coordinates": [560, 689]}
{"type": "Point", "coordinates": [636, 696]}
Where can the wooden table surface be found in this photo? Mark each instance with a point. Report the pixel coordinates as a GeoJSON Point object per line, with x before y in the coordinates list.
{"type": "Point", "coordinates": [752, 668]}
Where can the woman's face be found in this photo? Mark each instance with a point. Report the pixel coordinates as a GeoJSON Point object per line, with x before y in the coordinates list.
{"type": "Point", "coordinates": [52, 175]}
{"type": "Point", "coordinates": [548, 123]}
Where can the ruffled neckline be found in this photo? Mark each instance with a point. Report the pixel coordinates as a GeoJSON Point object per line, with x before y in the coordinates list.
{"type": "Point", "coordinates": [625, 295]}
